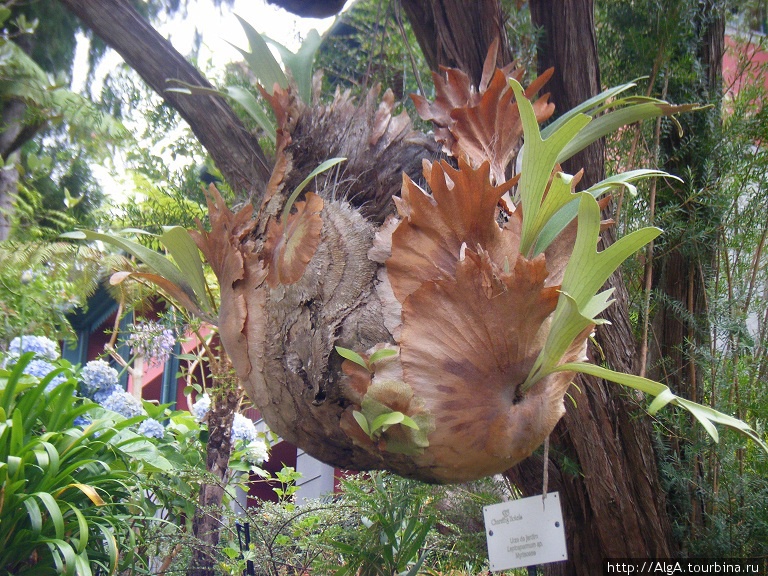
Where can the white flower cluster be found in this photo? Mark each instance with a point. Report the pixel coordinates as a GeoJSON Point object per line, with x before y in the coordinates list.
{"type": "Point", "coordinates": [243, 429]}
{"type": "Point", "coordinates": [201, 407]}
{"type": "Point", "coordinates": [153, 341]}
{"type": "Point", "coordinates": [256, 452]}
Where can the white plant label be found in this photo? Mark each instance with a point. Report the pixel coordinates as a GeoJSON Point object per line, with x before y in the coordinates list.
{"type": "Point", "coordinates": [525, 532]}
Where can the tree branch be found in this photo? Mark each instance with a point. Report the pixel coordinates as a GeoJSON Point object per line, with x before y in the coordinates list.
{"type": "Point", "coordinates": [233, 148]}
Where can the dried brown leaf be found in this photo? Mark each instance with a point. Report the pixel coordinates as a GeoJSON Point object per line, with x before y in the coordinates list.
{"type": "Point", "coordinates": [462, 210]}
{"type": "Point", "coordinates": [288, 250]}
{"type": "Point", "coordinates": [481, 124]}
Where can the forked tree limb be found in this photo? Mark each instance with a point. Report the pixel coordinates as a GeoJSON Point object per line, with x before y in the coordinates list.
{"type": "Point", "coordinates": [233, 148]}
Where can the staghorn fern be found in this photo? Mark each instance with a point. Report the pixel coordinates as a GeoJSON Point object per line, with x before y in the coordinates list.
{"type": "Point", "coordinates": [467, 312]}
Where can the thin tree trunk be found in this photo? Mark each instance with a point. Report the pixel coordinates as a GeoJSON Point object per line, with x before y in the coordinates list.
{"type": "Point", "coordinates": [9, 182]}
{"type": "Point", "coordinates": [206, 523]}
{"type": "Point", "coordinates": [235, 151]}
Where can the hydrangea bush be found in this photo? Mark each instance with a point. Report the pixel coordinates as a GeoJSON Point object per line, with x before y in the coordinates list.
{"type": "Point", "coordinates": [152, 428]}
{"type": "Point", "coordinates": [45, 351]}
{"type": "Point", "coordinates": [201, 407]}
{"type": "Point", "coordinates": [244, 434]}
{"type": "Point", "coordinates": [43, 347]}
{"type": "Point", "coordinates": [100, 382]}
{"type": "Point", "coordinates": [124, 404]}
{"type": "Point", "coordinates": [243, 429]}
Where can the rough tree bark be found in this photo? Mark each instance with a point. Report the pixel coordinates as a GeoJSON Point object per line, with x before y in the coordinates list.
{"type": "Point", "coordinates": [682, 262]}
{"type": "Point", "coordinates": [206, 523]}
{"type": "Point", "coordinates": [15, 132]}
{"type": "Point", "coordinates": [680, 271]}
{"type": "Point", "coordinates": [235, 151]}
{"type": "Point", "coordinates": [453, 35]}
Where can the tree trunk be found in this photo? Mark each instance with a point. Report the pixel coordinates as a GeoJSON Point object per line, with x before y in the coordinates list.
{"type": "Point", "coordinates": [9, 182]}
{"type": "Point", "coordinates": [614, 506]}
{"type": "Point", "coordinates": [235, 151]}
{"type": "Point", "coordinates": [683, 262]}
{"type": "Point", "coordinates": [206, 524]}
{"type": "Point", "coordinates": [456, 34]}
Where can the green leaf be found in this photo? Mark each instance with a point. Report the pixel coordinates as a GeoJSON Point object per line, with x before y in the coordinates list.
{"type": "Point", "coordinates": [352, 356]}
{"type": "Point", "coordinates": [255, 110]}
{"type": "Point", "coordinates": [707, 416]}
{"type": "Point", "coordinates": [539, 161]}
{"type": "Point", "coordinates": [615, 119]}
{"type": "Point", "coordinates": [409, 422]}
{"type": "Point", "coordinates": [159, 263]}
{"type": "Point", "coordinates": [328, 164]}
{"type": "Point", "coordinates": [384, 421]}
{"type": "Point", "coordinates": [63, 555]}
{"type": "Point", "coordinates": [185, 253]}
{"type": "Point", "coordinates": [586, 272]}
{"type": "Point", "coordinates": [82, 525]}
{"type": "Point", "coordinates": [300, 64]}
{"type": "Point", "coordinates": [260, 59]}
{"type": "Point", "coordinates": [588, 269]}
{"type": "Point", "coordinates": [587, 107]}
{"type": "Point", "coordinates": [34, 514]}
{"type": "Point", "coordinates": [362, 421]}
{"type": "Point", "coordinates": [240, 95]}
{"type": "Point", "coordinates": [567, 213]}
{"type": "Point", "coordinates": [53, 512]}
{"type": "Point", "coordinates": [383, 353]}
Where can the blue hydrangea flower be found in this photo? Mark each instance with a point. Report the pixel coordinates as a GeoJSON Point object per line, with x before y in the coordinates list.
{"type": "Point", "coordinates": [43, 347]}
{"type": "Point", "coordinates": [123, 403]}
{"type": "Point", "coordinates": [201, 407]}
{"type": "Point", "coordinates": [102, 395]}
{"type": "Point", "coordinates": [98, 377]}
{"type": "Point", "coordinates": [152, 428]}
{"type": "Point", "coordinates": [82, 420]}
{"type": "Point", "coordinates": [40, 369]}
{"type": "Point", "coordinates": [153, 341]}
{"type": "Point", "coordinates": [243, 429]}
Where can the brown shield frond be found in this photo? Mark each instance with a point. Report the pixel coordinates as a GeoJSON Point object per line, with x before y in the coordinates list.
{"type": "Point", "coordinates": [466, 345]}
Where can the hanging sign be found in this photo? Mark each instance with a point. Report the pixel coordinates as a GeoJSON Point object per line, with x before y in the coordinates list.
{"type": "Point", "coordinates": [525, 532]}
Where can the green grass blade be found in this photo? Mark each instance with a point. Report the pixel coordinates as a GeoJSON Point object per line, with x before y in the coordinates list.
{"type": "Point", "coordinates": [34, 514]}
{"type": "Point", "coordinates": [53, 512]}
